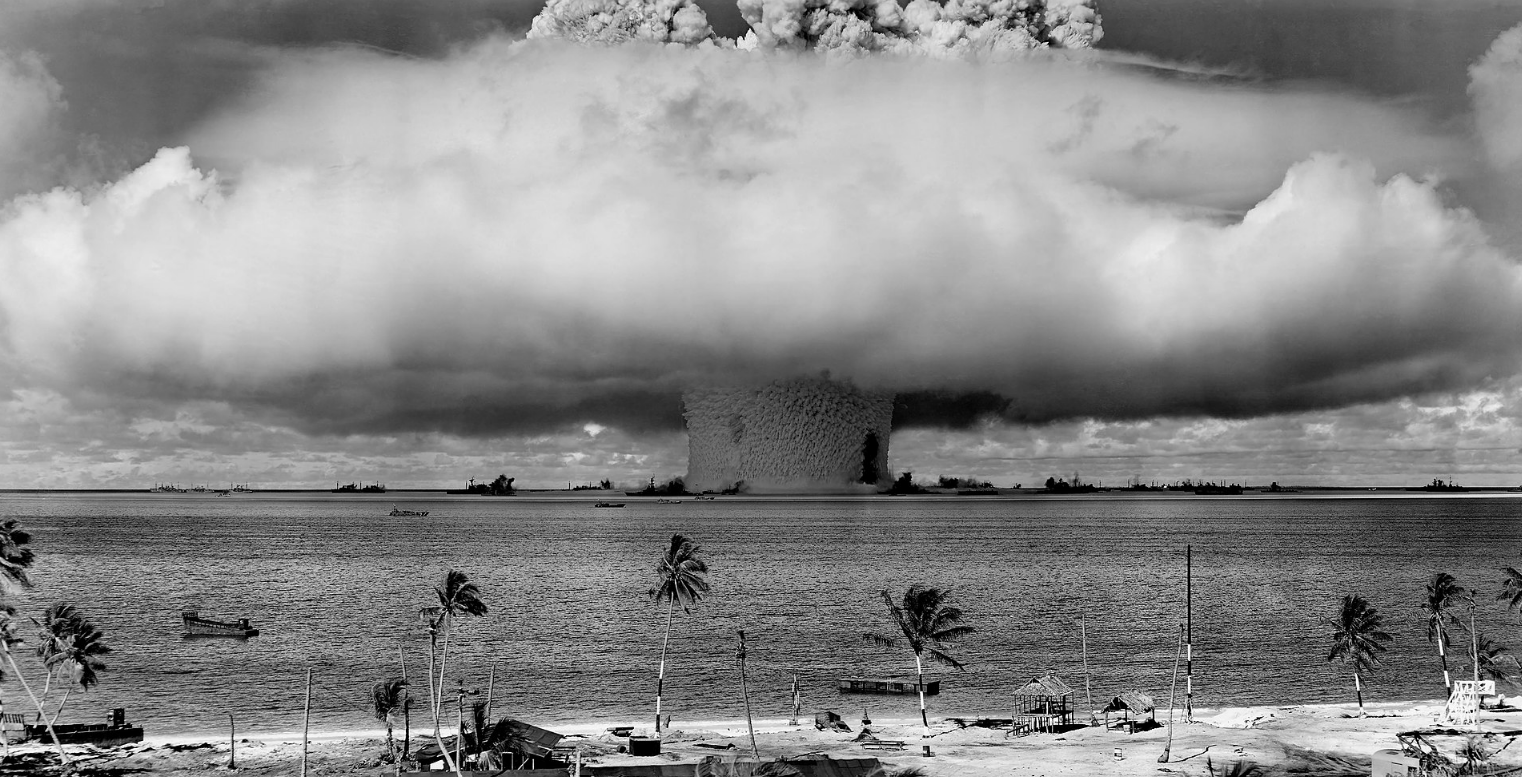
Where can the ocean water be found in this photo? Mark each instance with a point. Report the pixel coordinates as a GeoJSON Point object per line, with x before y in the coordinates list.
{"type": "Point", "coordinates": [334, 585]}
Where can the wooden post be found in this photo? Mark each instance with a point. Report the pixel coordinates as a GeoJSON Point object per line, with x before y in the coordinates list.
{"type": "Point", "coordinates": [306, 721]}
{"type": "Point", "coordinates": [1083, 636]}
{"type": "Point", "coordinates": [1189, 634]}
{"type": "Point", "coordinates": [406, 710]}
{"type": "Point", "coordinates": [459, 725]}
{"type": "Point", "coordinates": [745, 693]}
{"type": "Point", "coordinates": [491, 682]}
{"type": "Point", "coordinates": [232, 742]}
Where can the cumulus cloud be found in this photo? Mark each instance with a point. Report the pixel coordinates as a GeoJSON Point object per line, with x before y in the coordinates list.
{"type": "Point", "coordinates": [622, 21]}
{"type": "Point", "coordinates": [527, 234]}
{"type": "Point", "coordinates": [922, 26]}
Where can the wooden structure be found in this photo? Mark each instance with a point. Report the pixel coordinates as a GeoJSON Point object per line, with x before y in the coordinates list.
{"type": "Point", "coordinates": [116, 731]}
{"type": "Point", "coordinates": [196, 626]}
{"type": "Point", "coordinates": [512, 743]}
{"type": "Point", "coordinates": [1043, 704]}
{"type": "Point", "coordinates": [1127, 705]}
{"type": "Point", "coordinates": [885, 685]}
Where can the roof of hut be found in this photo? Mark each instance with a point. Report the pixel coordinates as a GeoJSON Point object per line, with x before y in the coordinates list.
{"type": "Point", "coordinates": [1046, 685]}
{"type": "Point", "coordinates": [1135, 701]}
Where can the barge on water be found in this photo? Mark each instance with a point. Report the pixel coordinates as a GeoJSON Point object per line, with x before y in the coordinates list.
{"type": "Point", "coordinates": [884, 685]}
{"type": "Point", "coordinates": [196, 626]}
{"type": "Point", "coordinates": [111, 734]}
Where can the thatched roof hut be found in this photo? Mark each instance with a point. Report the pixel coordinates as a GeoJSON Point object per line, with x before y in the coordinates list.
{"type": "Point", "coordinates": [1043, 704]}
{"type": "Point", "coordinates": [1130, 703]}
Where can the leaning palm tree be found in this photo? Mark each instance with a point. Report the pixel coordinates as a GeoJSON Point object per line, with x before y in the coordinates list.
{"type": "Point", "coordinates": [1357, 639]}
{"type": "Point", "coordinates": [927, 623]}
{"type": "Point", "coordinates": [9, 638]}
{"type": "Point", "coordinates": [1444, 594]}
{"type": "Point", "coordinates": [680, 580]}
{"type": "Point", "coordinates": [457, 597]}
{"type": "Point", "coordinates": [390, 698]}
{"type": "Point", "coordinates": [77, 658]}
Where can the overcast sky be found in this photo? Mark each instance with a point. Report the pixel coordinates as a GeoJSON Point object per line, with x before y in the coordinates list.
{"type": "Point", "coordinates": [292, 242]}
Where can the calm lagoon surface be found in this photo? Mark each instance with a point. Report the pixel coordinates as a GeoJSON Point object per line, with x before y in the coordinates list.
{"type": "Point", "coordinates": [334, 585]}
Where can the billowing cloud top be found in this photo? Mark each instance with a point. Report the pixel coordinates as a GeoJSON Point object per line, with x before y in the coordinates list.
{"type": "Point", "coordinates": [529, 233]}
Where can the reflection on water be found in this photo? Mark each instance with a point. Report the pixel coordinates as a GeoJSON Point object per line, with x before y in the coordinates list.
{"type": "Point", "coordinates": [333, 583]}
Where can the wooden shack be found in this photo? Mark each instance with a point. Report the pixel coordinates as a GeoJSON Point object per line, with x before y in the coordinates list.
{"type": "Point", "coordinates": [1131, 706]}
{"type": "Point", "coordinates": [1043, 704]}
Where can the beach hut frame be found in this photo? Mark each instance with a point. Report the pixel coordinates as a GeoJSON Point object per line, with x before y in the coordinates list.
{"type": "Point", "coordinates": [1043, 704]}
{"type": "Point", "coordinates": [1126, 704]}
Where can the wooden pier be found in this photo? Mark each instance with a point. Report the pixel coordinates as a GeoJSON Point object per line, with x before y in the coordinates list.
{"type": "Point", "coordinates": [884, 685]}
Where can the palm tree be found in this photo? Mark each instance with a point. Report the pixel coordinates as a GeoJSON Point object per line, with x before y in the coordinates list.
{"type": "Point", "coordinates": [1443, 594]}
{"type": "Point", "coordinates": [8, 638]}
{"type": "Point", "coordinates": [927, 623]}
{"type": "Point", "coordinates": [58, 622]}
{"type": "Point", "coordinates": [390, 698]}
{"type": "Point", "coordinates": [680, 574]}
{"type": "Point", "coordinates": [457, 596]}
{"type": "Point", "coordinates": [15, 557]}
{"type": "Point", "coordinates": [78, 657]}
{"type": "Point", "coordinates": [1495, 662]}
{"type": "Point", "coordinates": [1357, 639]}
{"type": "Point", "coordinates": [1511, 589]}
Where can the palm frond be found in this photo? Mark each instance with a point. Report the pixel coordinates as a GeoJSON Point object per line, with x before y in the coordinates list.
{"type": "Point", "coordinates": [459, 596]}
{"type": "Point", "coordinates": [945, 658]}
{"type": "Point", "coordinates": [926, 620]}
{"type": "Point", "coordinates": [880, 640]}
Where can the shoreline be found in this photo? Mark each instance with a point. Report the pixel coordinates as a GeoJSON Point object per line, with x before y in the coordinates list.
{"type": "Point", "coordinates": [1273, 736]}
{"type": "Point", "coordinates": [1220, 717]}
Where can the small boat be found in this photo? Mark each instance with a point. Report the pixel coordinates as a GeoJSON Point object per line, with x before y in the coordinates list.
{"type": "Point", "coordinates": [112, 734]}
{"type": "Point", "coordinates": [668, 501]}
{"type": "Point", "coordinates": [397, 512]}
{"type": "Point", "coordinates": [705, 498]}
{"type": "Point", "coordinates": [196, 626]}
{"type": "Point", "coordinates": [609, 504]}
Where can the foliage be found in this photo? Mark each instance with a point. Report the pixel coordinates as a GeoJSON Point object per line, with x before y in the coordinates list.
{"type": "Point", "coordinates": [1496, 662]}
{"type": "Point", "coordinates": [77, 653]}
{"type": "Point", "coordinates": [714, 766]}
{"type": "Point", "coordinates": [1511, 589]}
{"type": "Point", "coordinates": [926, 622]}
{"type": "Point", "coordinates": [905, 485]}
{"type": "Point", "coordinates": [15, 557]}
{"type": "Point", "coordinates": [1237, 769]}
{"type": "Point", "coordinates": [942, 481]}
{"type": "Point", "coordinates": [1357, 636]}
{"type": "Point", "coordinates": [681, 574]}
{"type": "Point", "coordinates": [1443, 594]}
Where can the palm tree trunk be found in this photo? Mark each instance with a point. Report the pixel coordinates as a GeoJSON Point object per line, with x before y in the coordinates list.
{"type": "Point", "coordinates": [1443, 655]}
{"type": "Point", "coordinates": [919, 670]}
{"type": "Point", "coordinates": [660, 681]}
{"type": "Point", "coordinates": [63, 701]}
{"type": "Point", "coordinates": [390, 741]}
{"type": "Point", "coordinates": [1358, 687]}
{"type": "Point", "coordinates": [433, 701]}
{"type": "Point", "coordinates": [11, 659]}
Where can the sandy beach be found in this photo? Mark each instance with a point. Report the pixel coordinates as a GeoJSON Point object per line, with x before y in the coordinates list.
{"type": "Point", "coordinates": [1304, 739]}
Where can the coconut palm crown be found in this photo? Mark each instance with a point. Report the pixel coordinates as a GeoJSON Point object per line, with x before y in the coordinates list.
{"type": "Point", "coordinates": [1357, 638]}
{"type": "Point", "coordinates": [1444, 594]}
{"type": "Point", "coordinates": [926, 622]}
{"type": "Point", "coordinates": [680, 574]}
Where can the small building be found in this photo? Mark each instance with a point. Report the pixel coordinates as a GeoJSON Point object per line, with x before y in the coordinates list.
{"type": "Point", "coordinates": [1130, 706]}
{"type": "Point", "coordinates": [1043, 704]}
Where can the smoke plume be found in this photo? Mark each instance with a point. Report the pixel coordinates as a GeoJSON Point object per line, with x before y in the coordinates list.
{"type": "Point", "coordinates": [524, 234]}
